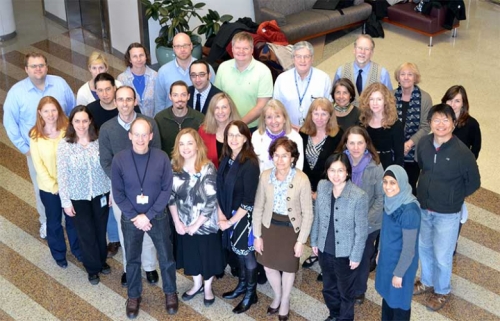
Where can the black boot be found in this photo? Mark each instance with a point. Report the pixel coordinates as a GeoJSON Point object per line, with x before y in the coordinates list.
{"type": "Point", "coordinates": [250, 294]}
{"type": "Point", "coordinates": [240, 288]}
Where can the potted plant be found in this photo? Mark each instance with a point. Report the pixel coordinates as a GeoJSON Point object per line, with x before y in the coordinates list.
{"type": "Point", "coordinates": [174, 17]}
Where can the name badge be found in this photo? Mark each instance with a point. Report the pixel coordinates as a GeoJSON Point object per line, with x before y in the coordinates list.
{"type": "Point", "coordinates": [142, 199]}
{"type": "Point", "coordinates": [301, 121]}
{"type": "Point", "coordinates": [104, 201]}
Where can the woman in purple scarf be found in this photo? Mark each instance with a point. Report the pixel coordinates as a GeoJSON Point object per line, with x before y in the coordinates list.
{"type": "Point", "coordinates": [367, 173]}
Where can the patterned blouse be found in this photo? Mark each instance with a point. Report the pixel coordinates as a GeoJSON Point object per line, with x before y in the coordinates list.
{"type": "Point", "coordinates": [280, 191]}
{"type": "Point", "coordinates": [195, 195]}
{"type": "Point", "coordinates": [79, 173]}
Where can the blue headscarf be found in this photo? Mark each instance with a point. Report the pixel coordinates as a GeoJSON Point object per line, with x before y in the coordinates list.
{"type": "Point", "coordinates": [404, 196]}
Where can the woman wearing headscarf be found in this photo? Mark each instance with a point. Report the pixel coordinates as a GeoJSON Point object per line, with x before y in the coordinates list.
{"type": "Point", "coordinates": [398, 253]}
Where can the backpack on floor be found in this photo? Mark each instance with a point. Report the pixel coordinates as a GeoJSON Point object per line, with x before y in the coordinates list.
{"type": "Point", "coordinates": [373, 27]}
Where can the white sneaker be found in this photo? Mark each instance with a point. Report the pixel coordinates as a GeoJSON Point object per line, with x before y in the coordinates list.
{"type": "Point", "coordinates": [43, 231]}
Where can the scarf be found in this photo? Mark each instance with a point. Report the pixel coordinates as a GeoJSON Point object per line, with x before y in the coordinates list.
{"type": "Point", "coordinates": [404, 196]}
{"type": "Point", "coordinates": [412, 119]}
{"type": "Point", "coordinates": [357, 170]}
{"type": "Point", "coordinates": [274, 137]}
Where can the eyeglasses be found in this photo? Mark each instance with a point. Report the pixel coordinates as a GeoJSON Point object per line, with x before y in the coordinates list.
{"type": "Point", "coordinates": [37, 66]}
{"type": "Point", "coordinates": [305, 57]}
{"type": "Point", "coordinates": [128, 100]}
{"type": "Point", "coordinates": [184, 46]}
{"type": "Point", "coordinates": [364, 49]}
{"type": "Point", "coordinates": [436, 121]}
{"type": "Point", "coordinates": [238, 136]}
{"type": "Point", "coordinates": [201, 75]}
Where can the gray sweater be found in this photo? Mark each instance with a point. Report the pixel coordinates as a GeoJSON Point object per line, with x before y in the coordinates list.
{"type": "Point", "coordinates": [113, 138]}
{"type": "Point", "coordinates": [351, 220]}
{"type": "Point", "coordinates": [372, 186]}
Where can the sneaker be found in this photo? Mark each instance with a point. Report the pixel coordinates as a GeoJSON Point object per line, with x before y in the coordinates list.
{"type": "Point", "coordinates": [436, 301]}
{"type": "Point", "coordinates": [420, 288]}
{"type": "Point", "coordinates": [43, 231]}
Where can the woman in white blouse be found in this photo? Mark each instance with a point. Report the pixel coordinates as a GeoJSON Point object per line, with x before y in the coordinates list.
{"type": "Point", "coordinates": [84, 190]}
{"type": "Point", "coordinates": [274, 123]}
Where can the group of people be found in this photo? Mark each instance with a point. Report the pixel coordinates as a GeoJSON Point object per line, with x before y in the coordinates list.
{"type": "Point", "coordinates": [195, 170]}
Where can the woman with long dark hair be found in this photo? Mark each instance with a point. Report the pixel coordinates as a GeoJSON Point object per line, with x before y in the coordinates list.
{"type": "Point", "coordinates": [237, 180]}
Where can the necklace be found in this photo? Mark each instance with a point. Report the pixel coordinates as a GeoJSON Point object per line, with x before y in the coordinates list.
{"type": "Point", "coordinates": [342, 109]}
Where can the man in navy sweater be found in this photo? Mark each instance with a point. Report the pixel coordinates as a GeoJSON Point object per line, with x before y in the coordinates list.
{"type": "Point", "coordinates": [142, 183]}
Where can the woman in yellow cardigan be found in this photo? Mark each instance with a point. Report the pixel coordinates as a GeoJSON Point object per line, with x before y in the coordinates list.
{"type": "Point", "coordinates": [282, 220]}
{"type": "Point", "coordinates": [49, 129]}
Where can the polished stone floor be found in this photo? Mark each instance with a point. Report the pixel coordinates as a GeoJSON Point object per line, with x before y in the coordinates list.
{"type": "Point", "coordinates": [33, 287]}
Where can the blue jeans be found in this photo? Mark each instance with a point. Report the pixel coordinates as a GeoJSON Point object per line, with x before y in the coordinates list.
{"type": "Point", "coordinates": [160, 234]}
{"type": "Point", "coordinates": [436, 243]}
{"type": "Point", "coordinates": [112, 228]}
{"type": "Point", "coordinates": [55, 231]}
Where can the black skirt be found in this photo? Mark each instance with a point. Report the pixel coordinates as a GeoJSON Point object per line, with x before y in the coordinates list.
{"type": "Point", "coordinates": [200, 254]}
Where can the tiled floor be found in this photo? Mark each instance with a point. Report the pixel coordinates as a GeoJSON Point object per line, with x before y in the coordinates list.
{"type": "Point", "coordinates": [34, 288]}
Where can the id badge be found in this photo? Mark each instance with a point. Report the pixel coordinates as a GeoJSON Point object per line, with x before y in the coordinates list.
{"type": "Point", "coordinates": [104, 201]}
{"type": "Point", "coordinates": [142, 199]}
{"type": "Point", "coordinates": [301, 121]}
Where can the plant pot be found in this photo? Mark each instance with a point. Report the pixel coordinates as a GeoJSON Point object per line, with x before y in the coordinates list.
{"type": "Point", "coordinates": [166, 54]}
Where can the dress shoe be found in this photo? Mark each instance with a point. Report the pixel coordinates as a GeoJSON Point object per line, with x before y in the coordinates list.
{"type": "Point", "coordinates": [106, 269]}
{"type": "Point", "coordinates": [283, 317]}
{"type": "Point", "coordinates": [360, 299]}
{"type": "Point", "coordinates": [152, 277]}
{"type": "Point", "coordinates": [132, 307]}
{"type": "Point", "coordinates": [208, 302]}
{"type": "Point", "coordinates": [113, 248]}
{"type": "Point", "coordinates": [94, 279]}
{"type": "Point", "coordinates": [271, 311]}
{"type": "Point", "coordinates": [171, 303]}
{"type": "Point", "coordinates": [124, 279]}
{"type": "Point", "coordinates": [62, 263]}
{"type": "Point", "coordinates": [320, 277]}
{"type": "Point", "coordinates": [187, 297]}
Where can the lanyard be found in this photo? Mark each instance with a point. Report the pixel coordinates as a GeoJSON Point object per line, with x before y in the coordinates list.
{"type": "Point", "coordinates": [301, 98]}
{"type": "Point", "coordinates": [137, 170]}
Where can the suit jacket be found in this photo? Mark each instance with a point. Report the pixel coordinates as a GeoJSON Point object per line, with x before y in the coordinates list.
{"type": "Point", "coordinates": [351, 220]}
{"type": "Point", "coordinates": [298, 201]}
{"type": "Point", "coordinates": [213, 90]}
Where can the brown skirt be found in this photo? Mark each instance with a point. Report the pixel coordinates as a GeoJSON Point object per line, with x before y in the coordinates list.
{"type": "Point", "coordinates": [279, 241]}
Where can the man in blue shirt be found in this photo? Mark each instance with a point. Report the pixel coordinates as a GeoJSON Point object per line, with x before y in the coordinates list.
{"type": "Point", "coordinates": [20, 112]}
{"type": "Point", "coordinates": [363, 71]}
{"type": "Point", "coordinates": [177, 69]}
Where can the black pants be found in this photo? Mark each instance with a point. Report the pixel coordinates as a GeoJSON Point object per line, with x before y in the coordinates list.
{"type": "Point", "coordinates": [413, 172]}
{"type": "Point", "coordinates": [338, 286]}
{"type": "Point", "coordinates": [91, 221]}
{"type": "Point", "coordinates": [360, 285]}
{"type": "Point", "coordinates": [390, 314]}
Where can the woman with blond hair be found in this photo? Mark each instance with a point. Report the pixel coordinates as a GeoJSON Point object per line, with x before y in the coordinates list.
{"type": "Point", "coordinates": [97, 63]}
{"type": "Point", "coordinates": [193, 205]}
{"type": "Point", "coordinates": [274, 123]}
{"type": "Point", "coordinates": [221, 111]}
{"type": "Point", "coordinates": [49, 129]}
{"type": "Point", "coordinates": [380, 118]}
{"type": "Point", "coordinates": [413, 105]}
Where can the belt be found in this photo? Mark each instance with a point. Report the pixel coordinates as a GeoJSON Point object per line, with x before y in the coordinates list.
{"type": "Point", "coordinates": [281, 223]}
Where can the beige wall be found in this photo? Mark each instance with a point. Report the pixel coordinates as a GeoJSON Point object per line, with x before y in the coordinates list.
{"type": "Point", "coordinates": [123, 23]}
{"type": "Point", "coordinates": [56, 8]}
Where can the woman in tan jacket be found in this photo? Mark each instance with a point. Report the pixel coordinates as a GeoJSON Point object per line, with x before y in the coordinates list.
{"type": "Point", "coordinates": [282, 220]}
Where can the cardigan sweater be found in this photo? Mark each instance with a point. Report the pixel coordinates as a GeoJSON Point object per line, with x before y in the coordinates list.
{"type": "Point", "coordinates": [298, 202]}
{"type": "Point", "coordinates": [351, 220]}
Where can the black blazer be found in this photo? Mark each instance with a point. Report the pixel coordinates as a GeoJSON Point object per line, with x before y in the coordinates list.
{"type": "Point", "coordinates": [317, 173]}
{"type": "Point", "coordinates": [214, 90]}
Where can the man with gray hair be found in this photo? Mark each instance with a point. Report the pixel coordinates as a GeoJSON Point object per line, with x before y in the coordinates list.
{"type": "Point", "coordinates": [363, 71]}
{"type": "Point", "coordinates": [298, 87]}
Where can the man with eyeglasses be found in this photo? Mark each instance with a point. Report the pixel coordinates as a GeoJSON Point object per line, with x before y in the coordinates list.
{"type": "Point", "coordinates": [449, 173]}
{"type": "Point", "coordinates": [113, 138]}
{"type": "Point", "coordinates": [363, 71]}
{"type": "Point", "coordinates": [177, 117]}
{"type": "Point", "coordinates": [177, 69]}
{"type": "Point", "coordinates": [298, 87]}
{"type": "Point", "coordinates": [202, 91]}
{"type": "Point", "coordinates": [246, 80]}
{"type": "Point", "coordinates": [20, 112]}
{"type": "Point", "coordinates": [142, 184]}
